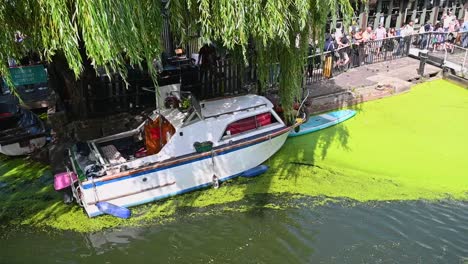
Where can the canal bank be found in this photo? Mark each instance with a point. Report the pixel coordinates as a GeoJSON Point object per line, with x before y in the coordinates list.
{"type": "Point", "coordinates": [367, 83]}
{"type": "Point", "coordinates": [406, 147]}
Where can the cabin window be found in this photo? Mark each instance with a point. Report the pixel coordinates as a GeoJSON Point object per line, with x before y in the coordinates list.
{"type": "Point", "coordinates": [249, 124]}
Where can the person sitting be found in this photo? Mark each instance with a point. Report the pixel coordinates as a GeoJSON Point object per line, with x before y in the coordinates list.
{"type": "Point", "coordinates": [450, 42]}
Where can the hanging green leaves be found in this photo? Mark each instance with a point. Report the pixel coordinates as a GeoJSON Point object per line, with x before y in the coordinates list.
{"type": "Point", "coordinates": [280, 29]}
{"type": "Point", "coordinates": [116, 34]}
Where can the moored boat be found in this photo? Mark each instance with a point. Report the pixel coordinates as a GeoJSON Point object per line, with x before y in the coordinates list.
{"type": "Point", "coordinates": [21, 131]}
{"type": "Point", "coordinates": [173, 152]}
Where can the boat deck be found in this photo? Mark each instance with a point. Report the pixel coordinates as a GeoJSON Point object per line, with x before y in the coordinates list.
{"type": "Point", "coordinates": [232, 104]}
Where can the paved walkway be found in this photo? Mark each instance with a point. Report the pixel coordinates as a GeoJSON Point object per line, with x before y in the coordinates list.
{"type": "Point", "coordinates": [366, 83]}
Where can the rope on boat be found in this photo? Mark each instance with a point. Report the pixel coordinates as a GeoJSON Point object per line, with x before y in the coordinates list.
{"type": "Point", "coordinates": [302, 103]}
{"type": "Point", "coordinates": [96, 198]}
{"type": "Point", "coordinates": [215, 178]}
{"type": "Point", "coordinates": [271, 144]}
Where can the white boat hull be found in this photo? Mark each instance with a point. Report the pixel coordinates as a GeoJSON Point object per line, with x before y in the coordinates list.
{"type": "Point", "coordinates": [180, 177]}
{"type": "Point", "coordinates": [15, 149]}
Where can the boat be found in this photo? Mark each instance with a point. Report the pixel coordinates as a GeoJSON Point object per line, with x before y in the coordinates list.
{"type": "Point", "coordinates": [174, 152]}
{"type": "Point", "coordinates": [31, 85]}
{"type": "Point", "coordinates": [21, 131]}
{"type": "Point", "coordinates": [319, 122]}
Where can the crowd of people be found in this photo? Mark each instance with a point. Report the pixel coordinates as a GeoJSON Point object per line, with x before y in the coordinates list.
{"type": "Point", "coordinates": [366, 44]}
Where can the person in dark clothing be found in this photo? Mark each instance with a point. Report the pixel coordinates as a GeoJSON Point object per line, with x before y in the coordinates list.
{"type": "Point", "coordinates": [426, 37]}
{"type": "Point", "coordinates": [328, 63]}
{"type": "Point", "coordinates": [329, 44]}
{"type": "Point", "coordinates": [207, 55]}
{"type": "Point", "coordinates": [207, 61]}
{"type": "Point", "coordinates": [344, 57]}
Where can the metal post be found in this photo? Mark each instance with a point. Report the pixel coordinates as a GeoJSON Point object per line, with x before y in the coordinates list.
{"type": "Point", "coordinates": [464, 61]}
{"type": "Point", "coordinates": [422, 62]}
{"type": "Point", "coordinates": [446, 52]}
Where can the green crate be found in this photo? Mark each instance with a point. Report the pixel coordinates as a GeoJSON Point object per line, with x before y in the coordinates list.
{"type": "Point", "coordinates": [201, 147]}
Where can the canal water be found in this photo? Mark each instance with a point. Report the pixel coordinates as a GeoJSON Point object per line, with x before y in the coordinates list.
{"type": "Point", "coordinates": [336, 232]}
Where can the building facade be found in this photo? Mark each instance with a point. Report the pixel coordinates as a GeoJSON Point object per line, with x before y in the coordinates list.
{"type": "Point", "coordinates": [396, 13]}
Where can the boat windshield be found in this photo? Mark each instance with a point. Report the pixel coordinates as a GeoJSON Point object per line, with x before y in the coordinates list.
{"type": "Point", "coordinates": [194, 113]}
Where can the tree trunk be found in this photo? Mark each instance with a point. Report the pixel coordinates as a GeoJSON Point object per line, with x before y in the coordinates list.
{"type": "Point", "coordinates": [72, 91]}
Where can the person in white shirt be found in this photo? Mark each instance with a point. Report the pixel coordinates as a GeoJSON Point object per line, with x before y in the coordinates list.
{"type": "Point", "coordinates": [408, 30]}
{"type": "Point", "coordinates": [380, 35]}
{"type": "Point", "coordinates": [447, 20]}
{"type": "Point", "coordinates": [338, 33]}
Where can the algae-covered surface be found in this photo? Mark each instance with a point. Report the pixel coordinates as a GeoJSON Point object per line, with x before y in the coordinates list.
{"type": "Point", "coordinates": [407, 147]}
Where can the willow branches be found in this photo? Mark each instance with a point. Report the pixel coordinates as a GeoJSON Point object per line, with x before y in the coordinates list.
{"type": "Point", "coordinates": [114, 33]}
{"type": "Point", "coordinates": [280, 30]}
{"type": "Point", "coordinates": [118, 33]}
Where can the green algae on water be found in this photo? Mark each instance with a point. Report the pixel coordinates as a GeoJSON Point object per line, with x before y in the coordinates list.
{"type": "Point", "coordinates": [407, 147]}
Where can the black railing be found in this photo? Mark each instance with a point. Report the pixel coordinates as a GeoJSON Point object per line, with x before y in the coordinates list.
{"type": "Point", "coordinates": [328, 64]}
{"type": "Point", "coordinates": [111, 94]}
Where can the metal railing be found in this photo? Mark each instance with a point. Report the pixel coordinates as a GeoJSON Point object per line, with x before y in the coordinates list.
{"type": "Point", "coordinates": [325, 65]}
{"type": "Point", "coordinates": [439, 41]}
{"type": "Point", "coordinates": [328, 64]}
{"type": "Point", "coordinates": [457, 59]}
{"type": "Point", "coordinates": [445, 49]}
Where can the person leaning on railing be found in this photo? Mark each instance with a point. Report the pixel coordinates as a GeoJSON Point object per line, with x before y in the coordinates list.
{"type": "Point", "coordinates": [354, 51]}
{"type": "Point", "coordinates": [425, 32]}
{"type": "Point", "coordinates": [406, 34]}
{"type": "Point", "coordinates": [359, 43]}
{"type": "Point", "coordinates": [390, 42]}
{"type": "Point", "coordinates": [329, 49]}
{"type": "Point", "coordinates": [343, 43]}
{"type": "Point", "coordinates": [380, 35]}
{"type": "Point", "coordinates": [369, 39]}
{"type": "Point", "coordinates": [438, 37]}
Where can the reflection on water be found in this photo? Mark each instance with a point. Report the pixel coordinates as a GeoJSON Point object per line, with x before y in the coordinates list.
{"type": "Point", "coordinates": [384, 232]}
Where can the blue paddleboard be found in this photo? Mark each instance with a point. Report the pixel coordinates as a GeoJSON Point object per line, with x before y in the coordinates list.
{"type": "Point", "coordinates": [322, 121]}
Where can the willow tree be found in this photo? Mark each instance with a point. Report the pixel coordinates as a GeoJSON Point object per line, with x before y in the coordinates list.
{"type": "Point", "coordinates": [111, 33]}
